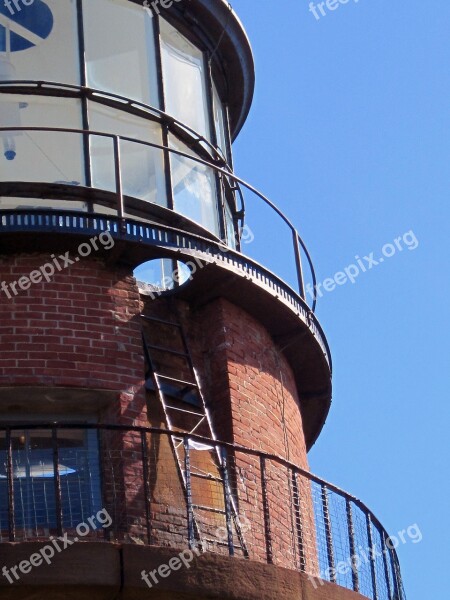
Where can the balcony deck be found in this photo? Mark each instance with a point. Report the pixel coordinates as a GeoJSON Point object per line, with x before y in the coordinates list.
{"type": "Point", "coordinates": [126, 489]}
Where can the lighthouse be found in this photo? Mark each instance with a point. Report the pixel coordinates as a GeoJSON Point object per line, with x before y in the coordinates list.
{"type": "Point", "coordinates": [159, 387]}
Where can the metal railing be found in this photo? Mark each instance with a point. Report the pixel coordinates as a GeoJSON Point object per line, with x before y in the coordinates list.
{"type": "Point", "coordinates": [54, 88]}
{"type": "Point", "coordinates": [230, 182]}
{"type": "Point", "coordinates": [54, 477]}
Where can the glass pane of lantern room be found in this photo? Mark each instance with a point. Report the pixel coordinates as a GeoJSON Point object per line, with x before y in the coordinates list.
{"type": "Point", "coordinates": [142, 167]}
{"type": "Point", "coordinates": [184, 80]}
{"type": "Point", "coordinates": [120, 49]}
{"type": "Point", "coordinates": [40, 156]}
{"type": "Point", "coordinates": [40, 41]}
{"type": "Point", "coordinates": [219, 121]}
{"type": "Point", "coordinates": [194, 189]}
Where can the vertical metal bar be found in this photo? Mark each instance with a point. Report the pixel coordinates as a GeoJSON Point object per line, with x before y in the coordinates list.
{"type": "Point", "coordinates": [220, 197]}
{"type": "Point", "coordinates": [190, 510]}
{"type": "Point", "coordinates": [229, 151]}
{"type": "Point", "coordinates": [210, 100]}
{"type": "Point", "coordinates": [10, 476]}
{"type": "Point", "coordinates": [102, 457]}
{"type": "Point", "coordinates": [298, 264]}
{"type": "Point", "coordinates": [352, 545]}
{"type": "Point", "coordinates": [86, 147]}
{"type": "Point", "coordinates": [81, 43]}
{"type": "Point", "coordinates": [220, 207]}
{"type": "Point", "coordinates": [266, 509]}
{"type": "Point", "coordinates": [226, 493]}
{"type": "Point", "coordinates": [118, 179]}
{"type": "Point", "coordinates": [84, 102]}
{"type": "Point", "coordinates": [385, 564]}
{"type": "Point", "coordinates": [396, 575]}
{"type": "Point", "coordinates": [229, 157]}
{"type": "Point", "coordinates": [168, 169]}
{"type": "Point", "coordinates": [162, 106]}
{"type": "Point", "coordinates": [298, 521]}
{"type": "Point", "coordinates": [159, 65]}
{"type": "Point", "coordinates": [146, 470]}
{"type": "Point", "coordinates": [328, 533]}
{"type": "Point", "coordinates": [372, 556]}
{"type": "Point", "coordinates": [57, 482]}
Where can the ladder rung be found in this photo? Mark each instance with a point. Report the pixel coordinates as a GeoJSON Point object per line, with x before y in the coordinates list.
{"type": "Point", "coordinates": [208, 477]}
{"type": "Point", "coordinates": [221, 543]}
{"type": "Point", "coordinates": [189, 412]}
{"type": "Point", "coordinates": [163, 321]}
{"type": "Point", "coordinates": [189, 387]}
{"type": "Point", "coordinates": [169, 350]}
{"type": "Point", "coordinates": [188, 384]}
{"type": "Point", "coordinates": [209, 509]}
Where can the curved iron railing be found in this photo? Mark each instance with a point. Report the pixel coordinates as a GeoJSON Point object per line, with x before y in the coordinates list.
{"type": "Point", "coordinates": [165, 237]}
{"type": "Point", "coordinates": [54, 88]}
{"type": "Point", "coordinates": [231, 182]}
{"type": "Point", "coordinates": [54, 477]}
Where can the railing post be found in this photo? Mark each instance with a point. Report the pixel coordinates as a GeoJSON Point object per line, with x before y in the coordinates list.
{"type": "Point", "coordinates": [118, 179]}
{"type": "Point", "coordinates": [266, 509]}
{"type": "Point", "coordinates": [10, 476]}
{"type": "Point", "coordinates": [145, 468]}
{"type": "Point", "coordinates": [372, 556]}
{"type": "Point", "coordinates": [190, 509]}
{"type": "Point", "coordinates": [57, 482]}
{"type": "Point", "coordinates": [328, 533]}
{"type": "Point", "coordinates": [390, 569]}
{"type": "Point", "coordinates": [352, 545]}
{"type": "Point", "coordinates": [298, 264]}
{"type": "Point", "coordinates": [227, 498]}
{"type": "Point", "coordinates": [298, 521]}
{"type": "Point", "coordinates": [385, 563]}
{"type": "Point", "coordinates": [396, 575]}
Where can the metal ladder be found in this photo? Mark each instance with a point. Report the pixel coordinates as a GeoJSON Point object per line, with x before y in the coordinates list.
{"type": "Point", "coordinates": [191, 406]}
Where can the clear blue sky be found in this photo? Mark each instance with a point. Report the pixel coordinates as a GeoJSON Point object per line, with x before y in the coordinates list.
{"type": "Point", "coordinates": [349, 134]}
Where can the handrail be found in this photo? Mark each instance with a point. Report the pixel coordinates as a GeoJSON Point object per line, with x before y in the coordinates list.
{"type": "Point", "coordinates": [122, 101]}
{"type": "Point", "coordinates": [133, 230]}
{"type": "Point", "coordinates": [97, 95]}
{"type": "Point", "coordinates": [341, 520]}
{"type": "Point", "coordinates": [296, 238]}
{"type": "Point", "coordinates": [195, 438]}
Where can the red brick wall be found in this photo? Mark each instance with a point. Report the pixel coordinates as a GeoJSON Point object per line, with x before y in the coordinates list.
{"type": "Point", "coordinates": [263, 413]}
{"type": "Point", "coordinates": [247, 382]}
{"type": "Point", "coordinates": [81, 329]}
{"type": "Point", "coordinates": [251, 394]}
{"type": "Point", "coordinates": [253, 398]}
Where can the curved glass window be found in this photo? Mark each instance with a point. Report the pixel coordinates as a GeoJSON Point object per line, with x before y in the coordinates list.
{"type": "Point", "coordinates": [33, 479]}
{"type": "Point", "coordinates": [142, 167]}
{"type": "Point", "coordinates": [120, 49]}
{"type": "Point", "coordinates": [184, 80]}
{"type": "Point", "coordinates": [219, 122]}
{"type": "Point", "coordinates": [194, 189]}
{"type": "Point", "coordinates": [40, 41]}
{"type": "Point", "coordinates": [53, 157]}
{"type": "Point", "coordinates": [230, 227]}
